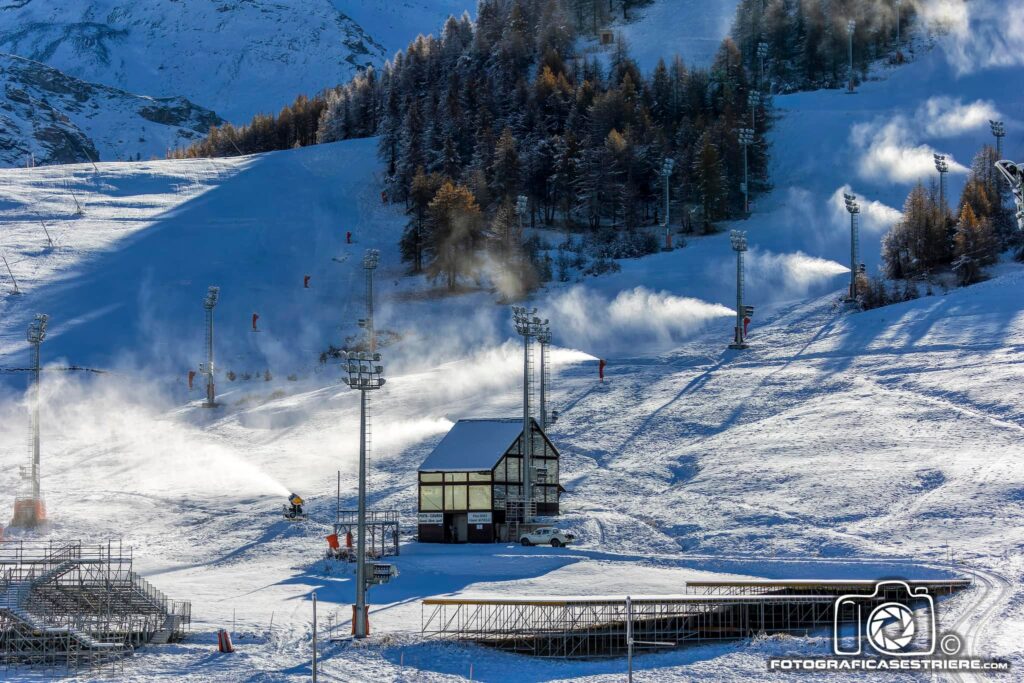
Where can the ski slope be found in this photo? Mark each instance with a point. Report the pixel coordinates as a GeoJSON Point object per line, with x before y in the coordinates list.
{"type": "Point", "coordinates": [840, 444]}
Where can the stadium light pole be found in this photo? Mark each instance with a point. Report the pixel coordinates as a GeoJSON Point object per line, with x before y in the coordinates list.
{"type": "Point", "coordinates": [762, 53]}
{"type": "Point", "coordinates": [738, 239]}
{"type": "Point", "coordinates": [370, 261]}
{"type": "Point", "coordinates": [30, 513]}
{"type": "Point", "coordinates": [851, 26]}
{"type": "Point", "coordinates": [1014, 174]}
{"type": "Point", "coordinates": [942, 166]}
{"type": "Point", "coordinates": [754, 98]}
{"type": "Point", "coordinates": [853, 208]}
{"type": "Point", "coordinates": [544, 338]}
{"type": "Point", "coordinates": [364, 374]}
{"type": "Point", "coordinates": [666, 173]}
{"type": "Point", "coordinates": [207, 369]}
{"type": "Point", "coordinates": [529, 326]}
{"type": "Point", "coordinates": [999, 132]}
{"type": "Point", "coordinates": [746, 137]}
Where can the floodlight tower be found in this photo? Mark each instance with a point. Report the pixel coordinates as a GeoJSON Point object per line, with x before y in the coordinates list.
{"type": "Point", "coordinates": [364, 375]}
{"type": "Point", "coordinates": [30, 512]}
{"type": "Point", "coordinates": [1014, 174]}
{"type": "Point", "coordinates": [746, 137]}
{"type": "Point", "coordinates": [851, 26]}
{"type": "Point", "coordinates": [207, 369]}
{"type": "Point", "coordinates": [942, 166]}
{"type": "Point", "coordinates": [854, 208]}
{"type": "Point", "coordinates": [754, 97]}
{"type": "Point", "coordinates": [762, 52]}
{"type": "Point", "coordinates": [999, 132]}
{"type": "Point", "coordinates": [529, 326]}
{"type": "Point", "coordinates": [738, 238]}
{"type": "Point", "coordinates": [544, 339]}
{"type": "Point", "coordinates": [371, 259]}
{"type": "Point", "coordinates": [666, 173]}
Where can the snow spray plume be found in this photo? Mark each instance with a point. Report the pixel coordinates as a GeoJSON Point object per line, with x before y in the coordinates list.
{"type": "Point", "coordinates": [779, 277]}
{"type": "Point", "coordinates": [108, 433]}
{"type": "Point", "coordinates": [979, 33]}
{"type": "Point", "coordinates": [635, 320]}
{"type": "Point", "coordinates": [875, 217]}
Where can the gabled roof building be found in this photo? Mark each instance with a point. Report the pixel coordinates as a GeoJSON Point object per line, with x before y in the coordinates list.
{"type": "Point", "coordinates": [471, 485]}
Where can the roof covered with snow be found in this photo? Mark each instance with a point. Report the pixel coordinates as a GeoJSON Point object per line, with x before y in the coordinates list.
{"type": "Point", "coordinates": [473, 445]}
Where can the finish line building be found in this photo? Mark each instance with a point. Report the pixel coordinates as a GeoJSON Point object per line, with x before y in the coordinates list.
{"type": "Point", "coordinates": [471, 485]}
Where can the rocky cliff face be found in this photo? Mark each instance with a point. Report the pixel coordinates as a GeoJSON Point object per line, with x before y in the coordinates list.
{"type": "Point", "coordinates": [48, 117]}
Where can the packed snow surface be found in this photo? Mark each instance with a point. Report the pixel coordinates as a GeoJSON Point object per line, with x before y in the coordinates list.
{"type": "Point", "coordinates": [840, 445]}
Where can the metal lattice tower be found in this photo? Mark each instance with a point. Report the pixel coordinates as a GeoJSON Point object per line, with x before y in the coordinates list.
{"type": "Point", "coordinates": [29, 512]}
{"type": "Point", "coordinates": [1014, 174]}
{"type": "Point", "coordinates": [851, 27]}
{"type": "Point", "coordinates": [738, 239]}
{"type": "Point", "coordinates": [529, 326]}
{"type": "Point", "coordinates": [998, 132]}
{"type": "Point", "coordinates": [746, 138]}
{"type": "Point", "coordinates": [762, 52]}
{"type": "Point", "coordinates": [370, 261]}
{"type": "Point", "coordinates": [364, 374]}
{"type": "Point", "coordinates": [854, 209]}
{"type": "Point", "coordinates": [544, 339]}
{"type": "Point", "coordinates": [942, 166]}
{"type": "Point", "coordinates": [207, 369]}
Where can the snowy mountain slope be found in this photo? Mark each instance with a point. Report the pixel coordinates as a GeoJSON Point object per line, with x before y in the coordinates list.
{"type": "Point", "coordinates": [54, 118]}
{"type": "Point", "coordinates": [693, 29]}
{"type": "Point", "coordinates": [237, 58]}
{"type": "Point", "coordinates": [838, 437]}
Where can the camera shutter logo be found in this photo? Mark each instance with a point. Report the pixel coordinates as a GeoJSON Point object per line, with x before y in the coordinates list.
{"type": "Point", "coordinates": [891, 628]}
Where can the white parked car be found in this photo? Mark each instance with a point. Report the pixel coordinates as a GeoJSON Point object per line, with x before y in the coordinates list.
{"type": "Point", "coordinates": [546, 535]}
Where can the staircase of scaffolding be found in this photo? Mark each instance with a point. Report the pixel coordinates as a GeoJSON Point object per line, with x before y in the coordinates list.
{"type": "Point", "coordinates": [74, 605]}
{"type": "Point", "coordinates": [517, 516]}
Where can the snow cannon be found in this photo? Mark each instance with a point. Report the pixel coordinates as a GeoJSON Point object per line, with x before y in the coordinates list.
{"type": "Point", "coordinates": [293, 510]}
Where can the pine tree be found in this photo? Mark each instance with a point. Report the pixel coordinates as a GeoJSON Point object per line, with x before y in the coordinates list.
{"type": "Point", "coordinates": [414, 238]}
{"type": "Point", "coordinates": [709, 181]}
{"type": "Point", "coordinates": [975, 246]}
{"type": "Point", "coordinates": [455, 234]}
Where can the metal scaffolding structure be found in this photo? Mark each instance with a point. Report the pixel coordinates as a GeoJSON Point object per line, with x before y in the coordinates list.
{"type": "Point", "coordinates": [591, 627]}
{"type": "Point", "coordinates": [382, 530]}
{"type": "Point", "coordinates": [69, 605]}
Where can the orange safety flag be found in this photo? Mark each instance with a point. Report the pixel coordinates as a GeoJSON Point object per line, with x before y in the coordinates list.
{"type": "Point", "coordinates": [255, 317]}
{"type": "Point", "coordinates": [191, 376]}
{"type": "Point", "coordinates": [600, 369]}
{"type": "Point", "coordinates": [348, 539]}
{"type": "Point", "coordinates": [332, 541]}
{"type": "Point", "coordinates": [746, 326]}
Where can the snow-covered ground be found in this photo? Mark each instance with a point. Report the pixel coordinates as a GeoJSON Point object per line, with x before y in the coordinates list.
{"type": "Point", "coordinates": [840, 445]}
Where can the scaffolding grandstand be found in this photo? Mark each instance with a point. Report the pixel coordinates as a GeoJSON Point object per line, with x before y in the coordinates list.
{"type": "Point", "coordinates": [67, 604]}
